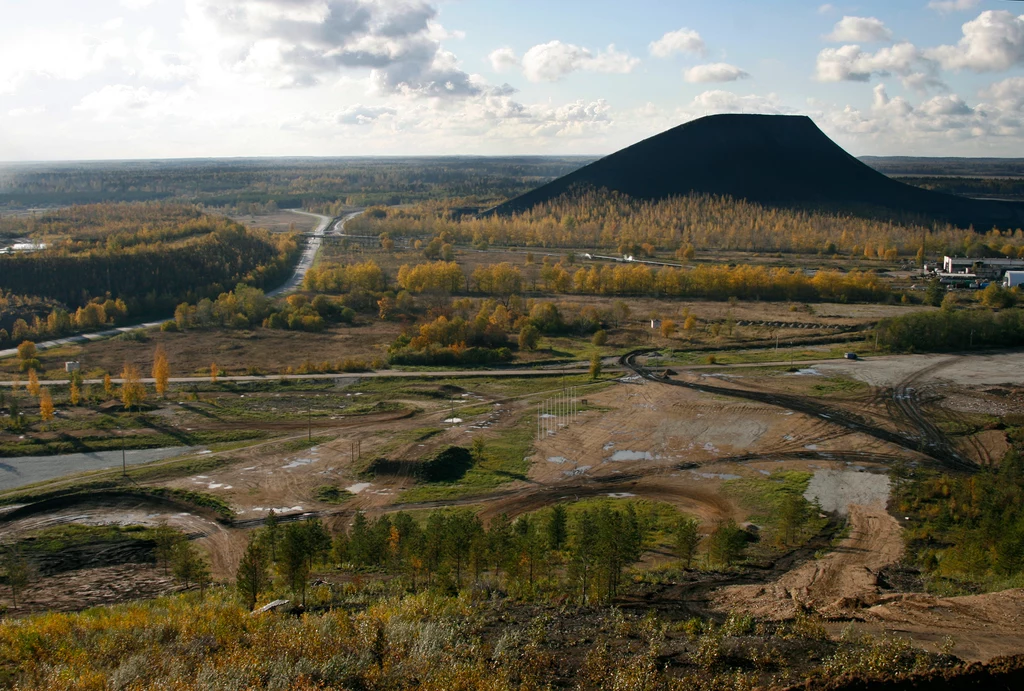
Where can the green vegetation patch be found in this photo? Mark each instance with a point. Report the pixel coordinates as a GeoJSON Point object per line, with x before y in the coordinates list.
{"type": "Point", "coordinates": [838, 385]}
{"type": "Point", "coordinates": [332, 494]}
{"type": "Point", "coordinates": [63, 445]}
{"type": "Point", "coordinates": [60, 537]}
{"type": "Point", "coordinates": [504, 458]}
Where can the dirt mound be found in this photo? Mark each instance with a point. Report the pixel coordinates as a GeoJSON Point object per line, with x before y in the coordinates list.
{"type": "Point", "coordinates": [772, 159]}
{"type": "Point", "coordinates": [843, 581]}
{"type": "Point", "coordinates": [73, 591]}
{"type": "Point", "coordinates": [1000, 673]}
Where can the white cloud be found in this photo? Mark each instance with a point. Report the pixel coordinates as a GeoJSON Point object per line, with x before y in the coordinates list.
{"type": "Point", "coordinates": [827, 9]}
{"type": "Point", "coordinates": [1007, 94]}
{"type": "Point", "coordinates": [300, 43]}
{"type": "Point", "coordinates": [714, 72]}
{"type": "Point", "coordinates": [714, 102]}
{"type": "Point", "coordinates": [681, 41]}
{"type": "Point", "coordinates": [859, 29]}
{"type": "Point", "coordinates": [851, 63]}
{"type": "Point", "coordinates": [503, 59]}
{"type": "Point", "coordinates": [947, 6]}
{"type": "Point", "coordinates": [124, 103]}
{"type": "Point", "coordinates": [25, 112]}
{"type": "Point", "coordinates": [992, 42]}
{"type": "Point", "coordinates": [549, 62]}
{"type": "Point", "coordinates": [136, 4]}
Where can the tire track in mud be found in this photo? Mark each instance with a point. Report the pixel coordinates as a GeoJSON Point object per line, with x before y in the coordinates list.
{"type": "Point", "coordinates": [923, 444]}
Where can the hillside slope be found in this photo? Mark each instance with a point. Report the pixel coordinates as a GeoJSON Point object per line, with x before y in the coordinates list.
{"type": "Point", "coordinates": [771, 159]}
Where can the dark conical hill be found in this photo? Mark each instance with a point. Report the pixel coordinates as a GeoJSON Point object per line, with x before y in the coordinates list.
{"type": "Point", "coordinates": [771, 159]}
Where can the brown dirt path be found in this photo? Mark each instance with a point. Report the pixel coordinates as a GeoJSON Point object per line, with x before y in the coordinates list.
{"type": "Point", "coordinates": [843, 580]}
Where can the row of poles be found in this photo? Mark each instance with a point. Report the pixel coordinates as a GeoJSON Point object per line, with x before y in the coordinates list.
{"type": "Point", "coordinates": [558, 412]}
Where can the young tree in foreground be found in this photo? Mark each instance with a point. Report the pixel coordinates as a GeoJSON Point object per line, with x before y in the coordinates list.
{"type": "Point", "coordinates": [687, 537]}
{"type": "Point", "coordinates": [133, 391]}
{"type": "Point", "coordinates": [17, 571]}
{"type": "Point", "coordinates": [252, 577]}
{"type": "Point", "coordinates": [595, 365]}
{"type": "Point", "coordinates": [294, 564]}
{"type": "Point", "coordinates": [45, 405]}
{"type": "Point", "coordinates": [108, 386]}
{"type": "Point", "coordinates": [33, 383]}
{"type": "Point", "coordinates": [726, 544]}
{"type": "Point", "coordinates": [166, 539]}
{"type": "Point", "coordinates": [188, 565]}
{"type": "Point", "coordinates": [161, 371]}
{"type": "Point", "coordinates": [214, 371]}
{"type": "Point", "coordinates": [558, 527]}
{"type": "Point", "coordinates": [271, 533]}
{"type": "Point", "coordinates": [75, 394]}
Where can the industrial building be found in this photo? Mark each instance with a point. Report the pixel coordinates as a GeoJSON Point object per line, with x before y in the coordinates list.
{"type": "Point", "coordinates": [1012, 279]}
{"type": "Point", "coordinates": [981, 268]}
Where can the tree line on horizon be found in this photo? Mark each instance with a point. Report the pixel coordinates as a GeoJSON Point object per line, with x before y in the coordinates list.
{"type": "Point", "coordinates": [588, 218]}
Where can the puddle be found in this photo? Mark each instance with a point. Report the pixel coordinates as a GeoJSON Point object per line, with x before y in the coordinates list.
{"type": "Point", "coordinates": [716, 476]}
{"type": "Point", "coordinates": [811, 447]}
{"type": "Point", "coordinates": [609, 446]}
{"type": "Point", "coordinates": [710, 448]}
{"type": "Point", "coordinates": [621, 495]}
{"type": "Point", "coordinates": [809, 372]}
{"type": "Point", "coordinates": [557, 459]}
{"type": "Point", "coordinates": [358, 487]}
{"type": "Point", "coordinates": [453, 420]}
{"type": "Point", "coordinates": [299, 462]}
{"type": "Point", "coordinates": [631, 456]}
{"type": "Point", "coordinates": [277, 509]}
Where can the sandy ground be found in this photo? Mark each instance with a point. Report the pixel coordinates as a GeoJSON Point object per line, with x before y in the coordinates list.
{"type": "Point", "coordinates": [974, 370]}
{"type": "Point", "coordinates": [77, 590]}
{"type": "Point", "coordinates": [842, 580]}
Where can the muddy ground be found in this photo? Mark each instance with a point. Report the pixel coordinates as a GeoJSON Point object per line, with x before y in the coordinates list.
{"type": "Point", "coordinates": [641, 438]}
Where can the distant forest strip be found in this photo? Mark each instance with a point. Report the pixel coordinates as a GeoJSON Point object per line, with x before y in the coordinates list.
{"type": "Point", "coordinates": [317, 184]}
{"type": "Point", "coordinates": [112, 260]}
{"type": "Point", "coordinates": [996, 188]}
{"type": "Point", "coordinates": [951, 330]}
{"type": "Point", "coordinates": [602, 219]}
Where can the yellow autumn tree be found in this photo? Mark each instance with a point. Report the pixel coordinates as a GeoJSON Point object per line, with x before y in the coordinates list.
{"type": "Point", "coordinates": [133, 391]}
{"type": "Point", "coordinates": [45, 405]}
{"type": "Point", "coordinates": [161, 371]}
{"type": "Point", "coordinates": [668, 328]}
{"type": "Point", "coordinates": [33, 383]}
{"type": "Point", "coordinates": [214, 371]}
{"type": "Point", "coordinates": [108, 386]}
{"type": "Point", "coordinates": [75, 395]}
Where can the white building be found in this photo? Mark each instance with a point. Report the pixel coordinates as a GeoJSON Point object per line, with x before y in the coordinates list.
{"type": "Point", "coordinates": [1012, 279]}
{"type": "Point", "coordinates": [983, 267]}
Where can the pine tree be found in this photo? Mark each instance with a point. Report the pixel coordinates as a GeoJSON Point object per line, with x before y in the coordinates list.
{"type": "Point", "coordinates": [558, 527]}
{"type": "Point", "coordinates": [161, 371]}
{"type": "Point", "coordinates": [252, 577]}
{"type": "Point", "coordinates": [687, 537]}
{"type": "Point", "coordinates": [271, 534]}
{"type": "Point", "coordinates": [17, 572]}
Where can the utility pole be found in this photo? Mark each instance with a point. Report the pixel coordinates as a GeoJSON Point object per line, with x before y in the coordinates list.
{"type": "Point", "coordinates": [124, 459]}
{"type": "Point", "coordinates": [309, 422]}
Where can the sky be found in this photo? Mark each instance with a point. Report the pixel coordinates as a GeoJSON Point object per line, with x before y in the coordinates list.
{"type": "Point", "coordinates": [118, 79]}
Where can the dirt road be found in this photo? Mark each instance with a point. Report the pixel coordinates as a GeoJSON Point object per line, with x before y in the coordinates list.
{"type": "Point", "coordinates": [843, 580]}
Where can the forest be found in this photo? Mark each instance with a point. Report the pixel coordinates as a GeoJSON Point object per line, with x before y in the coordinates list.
{"type": "Point", "coordinates": [600, 219]}
{"type": "Point", "coordinates": [104, 262]}
{"type": "Point", "coordinates": [287, 183]}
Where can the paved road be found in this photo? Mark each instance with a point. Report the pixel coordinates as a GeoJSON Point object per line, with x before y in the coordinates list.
{"type": "Point", "coordinates": [295, 281]}
{"type": "Point", "coordinates": [346, 375]}
{"type": "Point", "coordinates": [25, 470]}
